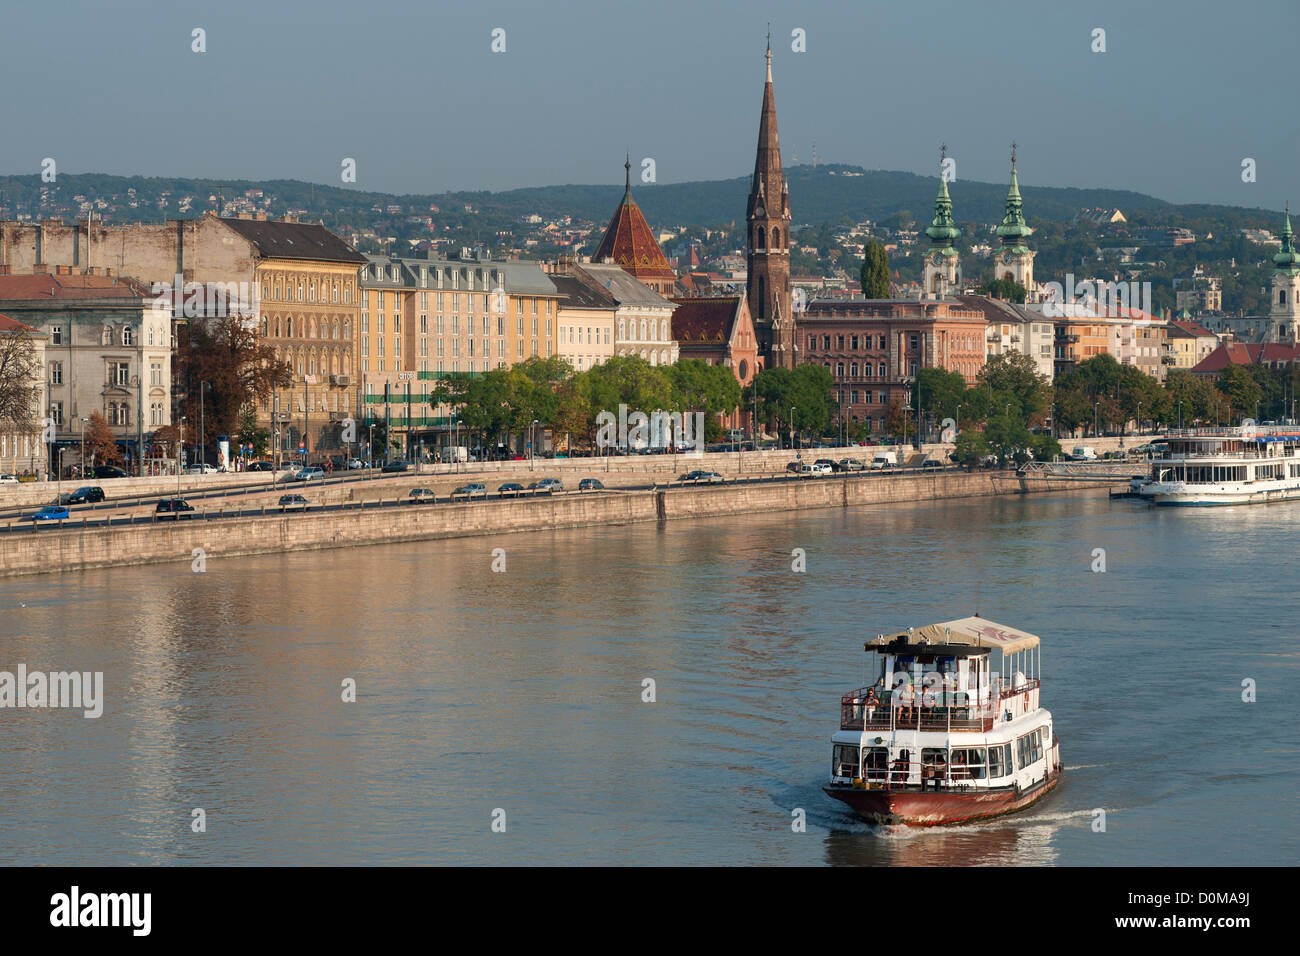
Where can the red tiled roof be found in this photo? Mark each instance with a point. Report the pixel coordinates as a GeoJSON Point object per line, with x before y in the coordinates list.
{"type": "Point", "coordinates": [629, 242]}
{"type": "Point", "coordinates": [704, 321]}
{"type": "Point", "coordinates": [1191, 328]}
{"type": "Point", "coordinates": [1244, 353]}
{"type": "Point", "coordinates": [36, 287]}
{"type": "Point", "coordinates": [12, 325]}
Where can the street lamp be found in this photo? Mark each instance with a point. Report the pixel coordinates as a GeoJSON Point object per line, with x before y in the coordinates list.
{"type": "Point", "coordinates": [84, 423]}
{"type": "Point", "coordinates": [1095, 406]}
{"type": "Point", "coordinates": [532, 444]}
{"type": "Point", "coordinates": [180, 454]}
{"type": "Point", "coordinates": [203, 386]}
{"type": "Point", "coordinates": [792, 409]}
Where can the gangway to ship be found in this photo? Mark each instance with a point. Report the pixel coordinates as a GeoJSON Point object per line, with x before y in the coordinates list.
{"type": "Point", "coordinates": [1107, 471]}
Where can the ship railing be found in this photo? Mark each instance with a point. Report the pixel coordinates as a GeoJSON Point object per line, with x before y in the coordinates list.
{"type": "Point", "coordinates": [915, 775]}
{"type": "Point", "coordinates": [923, 710]}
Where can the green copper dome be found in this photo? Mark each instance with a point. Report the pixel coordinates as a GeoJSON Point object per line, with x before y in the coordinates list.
{"type": "Point", "coordinates": [942, 231]}
{"type": "Point", "coordinates": [1014, 230]}
{"type": "Point", "coordinates": [1287, 260]}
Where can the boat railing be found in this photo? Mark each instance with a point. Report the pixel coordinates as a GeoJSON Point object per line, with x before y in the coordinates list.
{"type": "Point", "coordinates": [932, 710]}
{"type": "Point", "coordinates": [916, 775]}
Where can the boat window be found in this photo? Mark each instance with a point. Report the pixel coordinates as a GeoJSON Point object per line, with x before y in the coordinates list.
{"type": "Point", "coordinates": [875, 761]}
{"type": "Point", "coordinates": [999, 760]}
{"type": "Point", "coordinates": [845, 760]}
{"type": "Point", "coordinates": [968, 763]}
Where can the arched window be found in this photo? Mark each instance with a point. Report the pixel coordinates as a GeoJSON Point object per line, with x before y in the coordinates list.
{"type": "Point", "coordinates": [762, 298]}
{"type": "Point", "coordinates": [760, 237]}
{"type": "Point", "coordinates": [776, 238]}
{"type": "Point", "coordinates": [1281, 297]}
{"type": "Point", "coordinates": [347, 328]}
{"type": "Point", "coordinates": [663, 329]}
{"type": "Point", "coordinates": [621, 331]}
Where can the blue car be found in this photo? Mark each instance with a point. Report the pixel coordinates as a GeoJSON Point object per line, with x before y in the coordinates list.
{"type": "Point", "coordinates": [50, 513]}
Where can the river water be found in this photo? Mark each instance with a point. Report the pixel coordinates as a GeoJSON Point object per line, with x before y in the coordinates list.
{"type": "Point", "coordinates": [517, 695]}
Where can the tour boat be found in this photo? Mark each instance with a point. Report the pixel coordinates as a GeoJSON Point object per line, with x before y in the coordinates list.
{"type": "Point", "coordinates": [1225, 466]}
{"type": "Point", "coordinates": [940, 737]}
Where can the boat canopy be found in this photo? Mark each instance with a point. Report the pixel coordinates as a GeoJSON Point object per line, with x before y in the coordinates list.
{"type": "Point", "coordinates": [973, 631]}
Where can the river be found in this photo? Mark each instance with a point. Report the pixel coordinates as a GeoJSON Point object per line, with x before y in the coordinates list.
{"type": "Point", "coordinates": [515, 696]}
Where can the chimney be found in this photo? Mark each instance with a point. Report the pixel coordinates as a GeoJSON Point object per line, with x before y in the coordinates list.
{"type": "Point", "coordinates": [245, 215]}
{"type": "Point", "coordinates": [260, 216]}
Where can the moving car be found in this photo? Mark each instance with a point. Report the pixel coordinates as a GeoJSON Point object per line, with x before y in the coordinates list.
{"type": "Point", "coordinates": [109, 471]}
{"type": "Point", "coordinates": [794, 466]}
{"type": "Point", "coordinates": [418, 495]}
{"type": "Point", "coordinates": [591, 484]}
{"type": "Point", "coordinates": [194, 470]}
{"type": "Point", "coordinates": [852, 464]}
{"type": "Point", "coordinates": [294, 503]}
{"type": "Point", "coordinates": [85, 495]}
{"type": "Point", "coordinates": [310, 473]}
{"type": "Point", "coordinates": [821, 468]}
{"type": "Point", "coordinates": [510, 488]}
{"type": "Point", "coordinates": [173, 508]}
{"type": "Point", "coordinates": [8, 480]}
{"type": "Point", "coordinates": [50, 513]}
{"type": "Point", "coordinates": [355, 463]}
{"type": "Point", "coordinates": [707, 477]}
{"type": "Point", "coordinates": [547, 485]}
{"type": "Point", "coordinates": [397, 466]}
{"type": "Point", "coordinates": [475, 489]}
{"type": "Point", "coordinates": [261, 466]}
{"type": "Point", "coordinates": [932, 463]}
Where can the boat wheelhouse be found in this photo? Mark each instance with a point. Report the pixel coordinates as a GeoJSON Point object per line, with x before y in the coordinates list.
{"type": "Point", "coordinates": [1218, 466]}
{"type": "Point", "coordinates": [944, 733]}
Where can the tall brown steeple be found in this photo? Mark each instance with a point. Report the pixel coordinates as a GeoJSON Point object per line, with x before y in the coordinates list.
{"type": "Point", "coordinates": [768, 219]}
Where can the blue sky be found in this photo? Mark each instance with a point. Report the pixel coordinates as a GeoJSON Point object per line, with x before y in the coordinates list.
{"type": "Point", "coordinates": [412, 90]}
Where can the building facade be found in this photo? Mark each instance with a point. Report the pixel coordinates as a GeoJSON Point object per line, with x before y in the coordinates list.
{"type": "Point", "coordinates": [23, 451]}
{"type": "Point", "coordinates": [875, 347]}
{"type": "Point", "coordinates": [642, 317]}
{"type": "Point", "coordinates": [587, 321]}
{"type": "Point", "coordinates": [718, 330]}
{"type": "Point", "coordinates": [107, 349]}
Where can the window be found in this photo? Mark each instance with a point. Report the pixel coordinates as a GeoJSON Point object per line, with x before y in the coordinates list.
{"type": "Point", "coordinates": [119, 373]}
{"type": "Point", "coordinates": [128, 336]}
{"type": "Point", "coordinates": [155, 373]}
{"type": "Point", "coordinates": [56, 335]}
{"type": "Point", "coordinates": [56, 373]}
{"type": "Point", "coordinates": [56, 412]}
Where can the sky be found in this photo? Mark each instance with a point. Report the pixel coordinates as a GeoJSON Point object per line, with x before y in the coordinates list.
{"type": "Point", "coordinates": [1185, 91]}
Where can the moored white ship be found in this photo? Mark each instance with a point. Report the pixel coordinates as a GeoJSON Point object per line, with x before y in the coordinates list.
{"type": "Point", "coordinates": [940, 736]}
{"type": "Point", "coordinates": [1225, 466]}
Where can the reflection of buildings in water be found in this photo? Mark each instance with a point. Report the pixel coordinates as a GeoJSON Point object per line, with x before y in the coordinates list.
{"type": "Point", "coordinates": [1004, 842]}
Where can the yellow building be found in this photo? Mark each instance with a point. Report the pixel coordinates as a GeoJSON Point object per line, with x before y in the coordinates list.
{"type": "Point", "coordinates": [424, 319]}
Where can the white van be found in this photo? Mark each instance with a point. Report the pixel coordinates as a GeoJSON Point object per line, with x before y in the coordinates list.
{"type": "Point", "coordinates": [885, 459]}
{"type": "Point", "coordinates": [1083, 453]}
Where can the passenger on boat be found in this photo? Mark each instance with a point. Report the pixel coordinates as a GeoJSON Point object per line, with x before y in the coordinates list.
{"type": "Point", "coordinates": [906, 699]}
{"type": "Point", "coordinates": [900, 771]}
{"type": "Point", "coordinates": [871, 702]}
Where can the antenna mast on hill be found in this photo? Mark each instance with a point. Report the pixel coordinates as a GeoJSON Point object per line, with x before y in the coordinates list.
{"type": "Point", "coordinates": [814, 154]}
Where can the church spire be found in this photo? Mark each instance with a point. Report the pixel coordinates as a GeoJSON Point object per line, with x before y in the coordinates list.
{"type": "Point", "coordinates": [627, 170]}
{"type": "Point", "coordinates": [1014, 230]}
{"type": "Point", "coordinates": [1287, 260]}
{"type": "Point", "coordinates": [942, 231]}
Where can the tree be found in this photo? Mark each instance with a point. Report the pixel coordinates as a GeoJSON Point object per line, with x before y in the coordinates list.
{"type": "Point", "coordinates": [970, 447]}
{"type": "Point", "coordinates": [238, 367]}
{"type": "Point", "coordinates": [939, 393]}
{"type": "Point", "coordinates": [101, 446]}
{"type": "Point", "coordinates": [1241, 390]}
{"type": "Point", "coordinates": [874, 274]}
{"type": "Point", "coordinates": [1007, 435]}
{"type": "Point", "coordinates": [19, 375]}
{"type": "Point", "coordinates": [1007, 289]}
{"type": "Point", "coordinates": [1013, 378]}
{"type": "Point", "coordinates": [250, 433]}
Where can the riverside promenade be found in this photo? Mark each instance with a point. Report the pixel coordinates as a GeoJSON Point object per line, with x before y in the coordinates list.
{"type": "Point", "coordinates": [232, 532]}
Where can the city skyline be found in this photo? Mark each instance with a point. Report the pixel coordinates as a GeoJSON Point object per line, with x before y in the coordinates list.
{"type": "Point", "coordinates": [382, 87]}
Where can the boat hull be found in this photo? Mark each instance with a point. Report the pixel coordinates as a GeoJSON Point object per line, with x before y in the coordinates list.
{"type": "Point", "coordinates": [929, 808]}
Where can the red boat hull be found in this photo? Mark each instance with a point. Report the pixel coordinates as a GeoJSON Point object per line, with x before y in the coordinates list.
{"type": "Point", "coordinates": [929, 808]}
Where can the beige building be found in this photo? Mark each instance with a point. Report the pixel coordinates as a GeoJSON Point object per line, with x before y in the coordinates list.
{"type": "Point", "coordinates": [107, 350]}
{"type": "Point", "coordinates": [304, 276]}
{"type": "Point", "coordinates": [1188, 344]}
{"type": "Point", "coordinates": [22, 450]}
{"type": "Point", "coordinates": [586, 324]}
{"type": "Point", "coordinates": [642, 317]}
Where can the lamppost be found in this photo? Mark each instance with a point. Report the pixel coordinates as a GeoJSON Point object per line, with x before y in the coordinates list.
{"type": "Point", "coordinates": [792, 408]}
{"type": "Point", "coordinates": [180, 455]}
{"type": "Point", "coordinates": [1095, 406]}
{"type": "Point", "coordinates": [82, 466]}
{"type": "Point", "coordinates": [1180, 413]}
{"type": "Point", "coordinates": [370, 447]}
{"type": "Point", "coordinates": [532, 444]}
{"type": "Point", "coordinates": [1138, 423]}
{"type": "Point", "coordinates": [59, 477]}
{"type": "Point", "coordinates": [203, 387]}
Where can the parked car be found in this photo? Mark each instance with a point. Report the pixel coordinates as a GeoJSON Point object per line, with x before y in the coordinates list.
{"type": "Point", "coordinates": [172, 508]}
{"type": "Point", "coordinates": [8, 480]}
{"type": "Point", "coordinates": [294, 503]}
{"type": "Point", "coordinates": [832, 465]}
{"type": "Point", "coordinates": [591, 484]}
{"type": "Point", "coordinates": [547, 485]}
{"type": "Point", "coordinates": [194, 470]}
{"type": "Point", "coordinates": [794, 466]}
{"type": "Point", "coordinates": [474, 489]}
{"type": "Point", "coordinates": [261, 466]}
{"type": "Point", "coordinates": [397, 466]}
{"type": "Point", "coordinates": [852, 464]}
{"type": "Point", "coordinates": [355, 463]}
{"type": "Point", "coordinates": [50, 513]}
{"type": "Point", "coordinates": [932, 463]}
{"type": "Point", "coordinates": [510, 488]}
{"type": "Point", "coordinates": [418, 495]}
{"type": "Point", "coordinates": [707, 477]}
{"type": "Point", "coordinates": [820, 468]}
{"type": "Point", "coordinates": [109, 471]}
{"type": "Point", "coordinates": [86, 495]}
{"type": "Point", "coordinates": [310, 473]}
